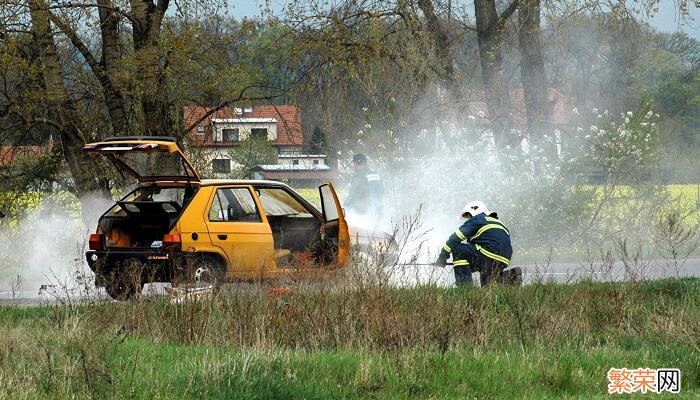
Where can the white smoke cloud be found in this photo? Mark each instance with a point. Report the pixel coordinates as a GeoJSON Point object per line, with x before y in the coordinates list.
{"type": "Point", "coordinates": [44, 249]}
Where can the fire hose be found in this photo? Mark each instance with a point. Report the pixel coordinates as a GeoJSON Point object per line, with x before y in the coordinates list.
{"type": "Point", "coordinates": [449, 264]}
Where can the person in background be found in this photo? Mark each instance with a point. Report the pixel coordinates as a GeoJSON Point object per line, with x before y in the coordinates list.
{"type": "Point", "coordinates": [481, 244]}
{"type": "Point", "coordinates": [366, 191]}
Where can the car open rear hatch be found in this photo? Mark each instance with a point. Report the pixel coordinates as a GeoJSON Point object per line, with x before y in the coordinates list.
{"type": "Point", "coordinates": [147, 158]}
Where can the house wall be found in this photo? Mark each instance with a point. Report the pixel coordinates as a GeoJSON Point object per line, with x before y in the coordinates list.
{"type": "Point", "coordinates": [244, 129]}
{"type": "Point", "coordinates": [288, 150]}
{"type": "Point", "coordinates": [286, 155]}
{"type": "Point", "coordinates": [302, 160]}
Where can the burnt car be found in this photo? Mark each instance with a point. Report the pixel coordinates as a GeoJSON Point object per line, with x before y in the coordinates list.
{"type": "Point", "coordinates": [177, 227]}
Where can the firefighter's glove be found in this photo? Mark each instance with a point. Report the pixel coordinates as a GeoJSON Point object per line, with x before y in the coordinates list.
{"type": "Point", "coordinates": [441, 261]}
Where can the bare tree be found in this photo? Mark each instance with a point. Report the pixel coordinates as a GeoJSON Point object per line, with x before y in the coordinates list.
{"type": "Point", "coordinates": [152, 64]}
{"type": "Point", "coordinates": [105, 70]}
{"type": "Point", "coordinates": [532, 73]}
{"type": "Point", "coordinates": [67, 121]}
{"type": "Point", "coordinates": [442, 45]}
{"type": "Point", "coordinates": [489, 26]}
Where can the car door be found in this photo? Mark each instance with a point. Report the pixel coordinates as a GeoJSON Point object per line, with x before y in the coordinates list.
{"type": "Point", "coordinates": [237, 226]}
{"type": "Point", "coordinates": [334, 231]}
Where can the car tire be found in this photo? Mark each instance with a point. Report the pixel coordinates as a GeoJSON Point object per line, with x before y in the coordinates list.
{"type": "Point", "coordinates": [209, 271]}
{"type": "Point", "coordinates": [202, 270]}
{"type": "Point", "coordinates": [126, 282]}
{"type": "Point", "coordinates": [121, 288]}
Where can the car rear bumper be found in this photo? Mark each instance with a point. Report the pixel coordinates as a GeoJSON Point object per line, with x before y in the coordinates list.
{"type": "Point", "coordinates": [153, 265]}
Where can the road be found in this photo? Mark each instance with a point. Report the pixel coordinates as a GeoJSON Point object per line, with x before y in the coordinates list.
{"type": "Point", "coordinates": [405, 275]}
{"type": "Point", "coordinates": [562, 272]}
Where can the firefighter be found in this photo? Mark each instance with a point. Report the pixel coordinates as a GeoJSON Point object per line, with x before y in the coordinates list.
{"type": "Point", "coordinates": [481, 244]}
{"type": "Point", "coordinates": [366, 190]}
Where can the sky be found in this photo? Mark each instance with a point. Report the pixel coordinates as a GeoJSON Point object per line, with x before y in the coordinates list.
{"type": "Point", "coordinates": [666, 20]}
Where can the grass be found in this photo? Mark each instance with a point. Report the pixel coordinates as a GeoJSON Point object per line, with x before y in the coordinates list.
{"type": "Point", "coordinates": [365, 341]}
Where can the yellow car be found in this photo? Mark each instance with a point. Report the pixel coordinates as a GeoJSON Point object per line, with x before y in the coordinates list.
{"type": "Point", "coordinates": [177, 227]}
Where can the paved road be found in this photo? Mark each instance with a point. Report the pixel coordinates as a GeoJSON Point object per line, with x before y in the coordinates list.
{"type": "Point", "coordinates": [404, 275]}
{"type": "Point", "coordinates": [562, 272]}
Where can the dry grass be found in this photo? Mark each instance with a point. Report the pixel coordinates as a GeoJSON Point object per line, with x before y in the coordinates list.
{"type": "Point", "coordinates": [373, 341]}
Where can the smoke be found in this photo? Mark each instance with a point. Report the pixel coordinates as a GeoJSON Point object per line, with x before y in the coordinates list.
{"type": "Point", "coordinates": [44, 251]}
{"type": "Point", "coordinates": [438, 170]}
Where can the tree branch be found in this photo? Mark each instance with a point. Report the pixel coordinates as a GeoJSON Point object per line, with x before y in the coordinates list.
{"type": "Point", "coordinates": [92, 5]}
{"type": "Point", "coordinates": [76, 41]}
{"type": "Point", "coordinates": [501, 21]}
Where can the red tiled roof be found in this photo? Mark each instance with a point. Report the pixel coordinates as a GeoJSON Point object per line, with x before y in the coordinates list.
{"type": "Point", "coordinates": [288, 122]}
{"type": "Point", "coordinates": [10, 154]}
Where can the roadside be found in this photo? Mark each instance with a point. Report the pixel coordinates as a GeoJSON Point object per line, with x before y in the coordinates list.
{"type": "Point", "coordinates": [544, 341]}
{"type": "Point", "coordinates": [403, 275]}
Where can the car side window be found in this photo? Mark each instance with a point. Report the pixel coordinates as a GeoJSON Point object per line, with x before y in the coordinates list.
{"type": "Point", "coordinates": [234, 205]}
{"type": "Point", "coordinates": [278, 202]}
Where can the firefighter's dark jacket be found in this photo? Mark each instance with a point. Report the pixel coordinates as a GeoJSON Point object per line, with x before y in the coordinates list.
{"type": "Point", "coordinates": [490, 237]}
{"type": "Point", "coordinates": [365, 194]}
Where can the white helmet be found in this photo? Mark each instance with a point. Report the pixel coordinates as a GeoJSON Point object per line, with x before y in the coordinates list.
{"type": "Point", "coordinates": [474, 208]}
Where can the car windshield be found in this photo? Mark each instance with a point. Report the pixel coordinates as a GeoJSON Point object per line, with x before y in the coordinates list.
{"type": "Point", "coordinates": [155, 163]}
{"type": "Point", "coordinates": [152, 193]}
{"type": "Point", "coordinates": [279, 202]}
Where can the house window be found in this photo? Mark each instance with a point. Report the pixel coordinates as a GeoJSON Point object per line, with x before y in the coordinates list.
{"type": "Point", "coordinates": [221, 166]}
{"type": "Point", "coordinates": [315, 162]}
{"type": "Point", "coordinates": [230, 135]}
{"type": "Point", "coordinates": [200, 130]}
{"type": "Point", "coordinates": [295, 162]}
{"type": "Point", "coordinates": [259, 133]}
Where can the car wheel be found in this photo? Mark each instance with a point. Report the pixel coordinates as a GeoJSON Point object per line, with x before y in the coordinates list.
{"type": "Point", "coordinates": [200, 271]}
{"type": "Point", "coordinates": [122, 288]}
{"type": "Point", "coordinates": [125, 283]}
{"type": "Point", "coordinates": [208, 272]}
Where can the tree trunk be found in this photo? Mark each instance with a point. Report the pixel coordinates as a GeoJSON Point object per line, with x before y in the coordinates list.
{"type": "Point", "coordinates": [113, 96]}
{"type": "Point", "coordinates": [151, 66]}
{"type": "Point", "coordinates": [442, 46]}
{"type": "Point", "coordinates": [87, 188]}
{"type": "Point", "coordinates": [110, 62]}
{"type": "Point", "coordinates": [532, 68]}
{"type": "Point", "coordinates": [490, 43]}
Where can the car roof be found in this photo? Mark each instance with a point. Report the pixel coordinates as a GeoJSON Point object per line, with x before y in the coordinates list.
{"type": "Point", "coordinates": [220, 182]}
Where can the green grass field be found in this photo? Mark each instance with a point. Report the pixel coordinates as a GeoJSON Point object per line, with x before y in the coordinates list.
{"type": "Point", "coordinates": [536, 342]}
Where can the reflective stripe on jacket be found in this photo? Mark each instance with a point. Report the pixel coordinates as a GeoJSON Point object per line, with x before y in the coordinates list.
{"type": "Point", "coordinates": [490, 237]}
